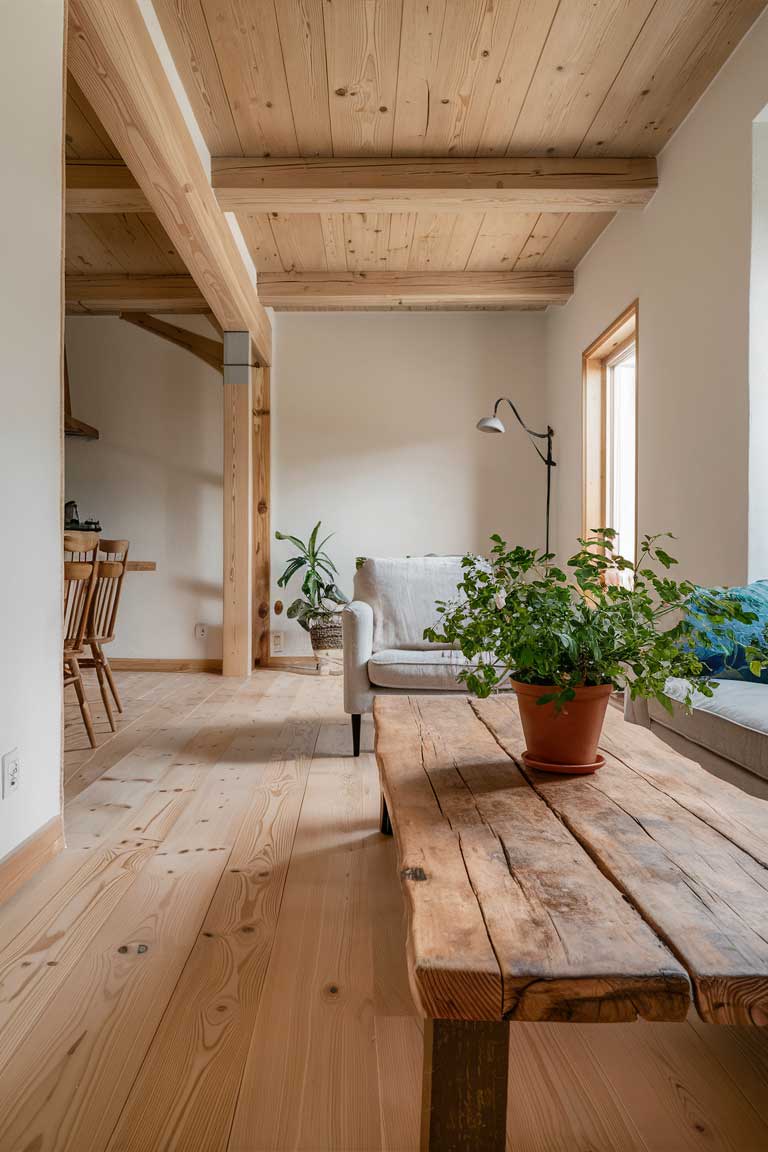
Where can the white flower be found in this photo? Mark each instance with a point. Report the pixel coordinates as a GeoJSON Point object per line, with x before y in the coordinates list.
{"type": "Point", "coordinates": [500, 598]}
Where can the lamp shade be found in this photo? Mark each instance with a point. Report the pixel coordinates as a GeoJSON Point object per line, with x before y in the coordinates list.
{"type": "Point", "coordinates": [490, 424]}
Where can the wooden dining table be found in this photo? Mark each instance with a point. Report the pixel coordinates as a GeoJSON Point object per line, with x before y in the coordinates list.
{"type": "Point", "coordinates": [638, 891]}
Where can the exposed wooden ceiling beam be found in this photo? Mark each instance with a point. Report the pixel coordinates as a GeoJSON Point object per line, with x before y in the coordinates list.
{"type": "Point", "coordinates": [210, 351]}
{"type": "Point", "coordinates": [365, 184]}
{"type": "Point", "coordinates": [371, 185]}
{"type": "Point", "coordinates": [114, 60]}
{"type": "Point", "coordinates": [105, 295]}
{"type": "Point", "coordinates": [103, 188]}
{"type": "Point", "coordinates": [113, 295]}
{"type": "Point", "coordinates": [384, 289]}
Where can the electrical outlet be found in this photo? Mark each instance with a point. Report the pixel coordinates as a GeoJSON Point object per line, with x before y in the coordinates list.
{"type": "Point", "coordinates": [201, 631]}
{"type": "Point", "coordinates": [277, 642]}
{"type": "Point", "coordinates": [11, 772]}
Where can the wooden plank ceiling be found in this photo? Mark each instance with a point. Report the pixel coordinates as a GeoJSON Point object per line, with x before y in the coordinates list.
{"type": "Point", "coordinates": [416, 78]}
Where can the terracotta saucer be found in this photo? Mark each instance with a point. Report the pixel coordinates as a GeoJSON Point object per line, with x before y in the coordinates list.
{"type": "Point", "coordinates": [563, 769]}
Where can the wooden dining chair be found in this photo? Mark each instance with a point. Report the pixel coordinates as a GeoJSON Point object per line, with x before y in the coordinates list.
{"type": "Point", "coordinates": [102, 620]}
{"type": "Point", "coordinates": [79, 585]}
{"type": "Point", "coordinates": [81, 546]}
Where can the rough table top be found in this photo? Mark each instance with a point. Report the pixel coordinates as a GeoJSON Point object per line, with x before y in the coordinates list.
{"type": "Point", "coordinates": [594, 898]}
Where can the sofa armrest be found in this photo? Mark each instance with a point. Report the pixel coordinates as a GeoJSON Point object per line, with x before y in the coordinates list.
{"type": "Point", "coordinates": [357, 625]}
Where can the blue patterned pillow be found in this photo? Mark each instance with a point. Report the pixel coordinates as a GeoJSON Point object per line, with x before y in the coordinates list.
{"type": "Point", "coordinates": [733, 664]}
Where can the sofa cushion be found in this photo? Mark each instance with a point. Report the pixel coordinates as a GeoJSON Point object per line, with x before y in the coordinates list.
{"type": "Point", "coordinates": [434, 670]}
{"type": "Point", "coordinates": [733, 723]}
{"type": "Point", "coordinates": [732, 663]}
{"type": "Point", "coordinates": [402, 593]}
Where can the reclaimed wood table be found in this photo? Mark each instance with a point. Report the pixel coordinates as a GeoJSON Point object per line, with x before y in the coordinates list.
{"type": "Point", "coordinates": [633, 892]}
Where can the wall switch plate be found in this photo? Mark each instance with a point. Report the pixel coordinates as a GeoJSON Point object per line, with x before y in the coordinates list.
{"type": "Point", "coordinates": [11, 772]}
{"type": "Point", "coordinates": [277, 642]}
{"type": "Point", "coordinates": [201, 631]}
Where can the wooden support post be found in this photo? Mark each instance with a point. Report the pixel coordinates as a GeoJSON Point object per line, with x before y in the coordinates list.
{"type": "Point", "coordinates": [261, 516]}
{"type": "Point", "coordinates": [238, 495]}
{"type": "Point", "coordinates": [464, 1101]}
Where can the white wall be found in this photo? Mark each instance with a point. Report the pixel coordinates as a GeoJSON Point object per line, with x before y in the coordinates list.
{"type": "Point", "coordinates": [374, 434]}
{"type": "Point", "coordinates": [758, 359]}
{"type": "Point", "coordinates": [687, 258]}
{"type": "Point", "coordinates": [153, 477]}
{"type": "Point", "coordinates": [31, 45]}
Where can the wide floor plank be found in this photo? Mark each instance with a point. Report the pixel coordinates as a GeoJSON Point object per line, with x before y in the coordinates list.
{"type": "Point", "coordinates": [185, 1094]}
{"type": "Point", "coordinates": [310, 1081]}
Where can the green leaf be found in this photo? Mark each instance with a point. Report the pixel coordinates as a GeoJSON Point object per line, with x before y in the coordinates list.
{"type": "Point", "coordinates": [293, 539]}
{"type": "Point", "coordinates": [292, 568]}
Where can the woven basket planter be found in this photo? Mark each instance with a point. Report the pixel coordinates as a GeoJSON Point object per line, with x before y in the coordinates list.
{"type": "Point", "coordinates": [326, 633]}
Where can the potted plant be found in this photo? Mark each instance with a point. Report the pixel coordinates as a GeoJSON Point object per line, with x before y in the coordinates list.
{"type": "Point", "coordinates": [317, 609]}
{"type": "Point", "coordinates": [567, 641]}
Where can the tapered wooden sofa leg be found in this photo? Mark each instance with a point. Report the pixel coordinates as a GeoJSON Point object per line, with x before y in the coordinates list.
{"type": "Point", "coordinates": [356, 722]}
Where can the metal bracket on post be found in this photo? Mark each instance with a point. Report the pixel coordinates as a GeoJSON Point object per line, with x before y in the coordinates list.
{"type": "Point", "coordinates": [238, 357]}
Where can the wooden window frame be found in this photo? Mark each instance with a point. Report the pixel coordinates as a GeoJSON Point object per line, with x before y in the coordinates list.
{"type": "Point", "coordinates": [608, 346]}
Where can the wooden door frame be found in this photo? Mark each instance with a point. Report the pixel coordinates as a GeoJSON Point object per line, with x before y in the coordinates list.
{"type": "Point", "coordinates": [618, 335]}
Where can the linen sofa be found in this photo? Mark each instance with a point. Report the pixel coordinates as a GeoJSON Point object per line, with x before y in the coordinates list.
{"type": "Point", "coordinates": [726, 733]}
{"type": "Point", "coordinates": [384, 647]}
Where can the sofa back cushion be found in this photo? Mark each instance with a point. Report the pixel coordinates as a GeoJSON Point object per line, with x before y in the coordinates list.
{"type": "Point", "coordinates": [733, 664]}
{"type": "Point", "coordinates": [402, 593]}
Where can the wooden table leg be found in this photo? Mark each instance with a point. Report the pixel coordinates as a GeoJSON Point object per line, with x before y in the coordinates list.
{"type": "Point", "coordinates": [464, 1098]}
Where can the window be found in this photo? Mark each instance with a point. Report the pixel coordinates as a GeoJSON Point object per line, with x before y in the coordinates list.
{"type": "Point", "coordinates": [620, 439]}
{"type": "Point", "coordinates": [610, 433]}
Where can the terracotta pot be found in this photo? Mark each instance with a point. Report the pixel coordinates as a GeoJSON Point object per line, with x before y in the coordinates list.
{"type": "Point", "coordinates": [567, 740]}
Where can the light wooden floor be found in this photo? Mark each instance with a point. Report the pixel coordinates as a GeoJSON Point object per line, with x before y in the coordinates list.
{"type": "Point", "coordinates": [216, 961]}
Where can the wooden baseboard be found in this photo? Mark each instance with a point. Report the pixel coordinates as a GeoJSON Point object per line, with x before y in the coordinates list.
{"type": "Point", "coordinates": [126, 664]}
{"type": "Point", "coordinates": [22, 863]}
{"type": "Point", "coordinates": [292, 662]}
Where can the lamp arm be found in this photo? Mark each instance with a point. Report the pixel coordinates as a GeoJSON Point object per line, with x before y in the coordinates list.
{"type": "Point", "coordinates": [531, 434]}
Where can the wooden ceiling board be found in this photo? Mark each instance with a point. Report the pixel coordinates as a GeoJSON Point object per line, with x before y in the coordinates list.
{"type": "Point", "coordinates": [185, 27]}
{"type": "Point", "coordinates": [299, 241]}
{"type": "Point", "coordinates": [571, 242]}
{"type": "Point", "coordinates": [536, 246]}
{"type": "Point", "coordinates": [532, 27]}
{"type": "Point", "coordinates": [260, 239]}
{"type": "Point", "coordinates": [246, 41]}
{"type": "Point", "coordinates": [135, 243]}
{"type": "Point", "coordinates": [302, 39]}
{"type": "Point", "coordinates": [420, 36]}
{"type": "Point", "coordinates": [362, 46]}
{"type": "Point", "coordinates": [85, 136]}
{"type": "Point", "coordinates": [681, 47]}
{"type": "Point", "coordinates": [401, 229]}
{"type": "Point", "coordinates": [84, 252]}
{"type": "Point", "coordinates": [421, 242]}
{"type": "Point", "coordinates": [587, 43]}
{"type": "Point", "coordinates": [500, 240]}
{"type": "Point", "coordinates": [474, 39]}
{"type": "Point", "coordinates": [366, 238]}
{"type": "Point", "coordinates": [335, 241]}
{"type": "Point", "coordinates": [443, 242]}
